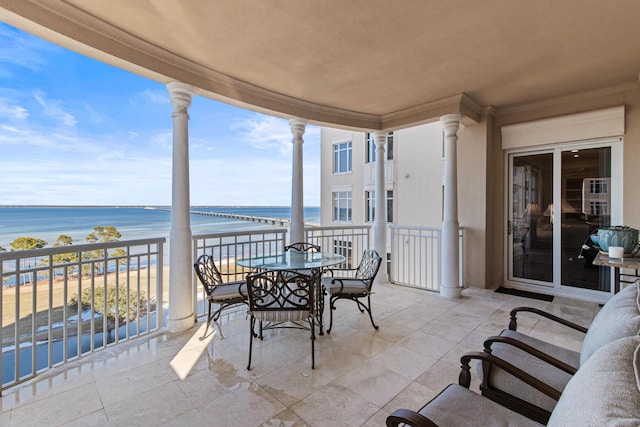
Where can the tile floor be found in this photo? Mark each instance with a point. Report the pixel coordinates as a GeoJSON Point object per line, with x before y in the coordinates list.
{"type": "Point", "coordinates": [361, 374]}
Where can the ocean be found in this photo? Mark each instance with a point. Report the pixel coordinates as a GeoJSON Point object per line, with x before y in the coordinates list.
{"type": "Point", "coordinates": [47, 223]}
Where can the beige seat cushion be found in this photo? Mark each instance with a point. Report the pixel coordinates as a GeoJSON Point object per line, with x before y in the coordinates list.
{"type": "Point", "coordinates": [458, 406]}
{"type": "Point", "coordinates": [606, 389]}
{"type": "Point", "coordinates": [556, 378]}
{"type": "Point", "coordinates": [618, 318]}
{"type": "Point", "coordinates": [231, 290]}
{"type": "Point", "coordinates": [345, 286]}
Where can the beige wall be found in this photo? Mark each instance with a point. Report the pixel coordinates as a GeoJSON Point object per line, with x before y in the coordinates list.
{"type": "Point", "coordinates": [473, 192]}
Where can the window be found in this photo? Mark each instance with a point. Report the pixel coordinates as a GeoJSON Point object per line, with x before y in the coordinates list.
{"type": "Point", "coordinates": [389, 206]}
{"type": "Point", "coordinates": [342, 157]}
{"type": "Point", "coordinates": [599, 186]}
{"type": "Point", "coordinates": [370, 197]}
{"type": "Point", "coordinates": [598, 208]}
{"type": "Point", "coordinates": [371, 147]}
{"type": "Point", "coordinates": [342, 206]}
{"type": "Point", "coordinates": [343, 247]}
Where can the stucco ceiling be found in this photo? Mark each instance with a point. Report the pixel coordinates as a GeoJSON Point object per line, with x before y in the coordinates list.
{"type": "Point", "coordinates": [367, 64]}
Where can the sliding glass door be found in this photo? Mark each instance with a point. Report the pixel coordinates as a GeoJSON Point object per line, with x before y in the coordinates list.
{"type": "Point", "coordinates": [557, 198]}
{"type": "Point", "coordinates": [530, 223]}
{"type": "Point", "coordinates": [585, 179]}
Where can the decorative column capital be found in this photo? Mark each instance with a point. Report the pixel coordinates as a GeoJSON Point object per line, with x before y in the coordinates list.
{"type": "Point", "coordinates": [298, 126]}
{"type": "Point", "coordinates": [380, 137]}
{"type": "Point", "coordinates": [180, 95]}
{"type": "Point", "coordinates": [450, 123]}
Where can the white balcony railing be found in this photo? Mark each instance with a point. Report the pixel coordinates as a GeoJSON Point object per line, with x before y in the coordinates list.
{"type": "Point", "coordinates": [349, 241]}
{"type": "Point", "coordinates": [58, 304]}
{"type": "Point", "coordinates": [416, 256]}
{"type": "Point", "coordinates": [53, 309]}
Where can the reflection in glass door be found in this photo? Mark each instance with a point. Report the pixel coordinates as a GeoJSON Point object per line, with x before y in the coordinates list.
{"type": "Point", "coordinates": [586, 205]}
{"type": "Point", "coordinates": [558, 197]}
{"type": "Point", "coordinates": [531, 225]}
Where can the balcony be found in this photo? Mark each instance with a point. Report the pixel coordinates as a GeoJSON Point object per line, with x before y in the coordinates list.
{"type": "Point", "coordinates": [361, 374]}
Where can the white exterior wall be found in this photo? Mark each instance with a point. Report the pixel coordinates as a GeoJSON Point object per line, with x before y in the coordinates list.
{"type": "Point", "coordinates": [419, 170]}
{"type": "Point", "coordinates": [414, 176]}
{"type": "Point", "coordinates": [353, 181]}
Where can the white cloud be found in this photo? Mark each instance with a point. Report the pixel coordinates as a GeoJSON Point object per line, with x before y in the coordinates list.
{"type": "Point", "coordinates": [12, 111]}
{"type": "Point", "coordinates": [54, 110]}
{"type": "Point", "coordinates": [23, 50]}
{"type": "Point", "coordinates": [160, 97]}
{"type": "Point", "coordinates": [117, 149]}
{"type": "Point", "coordinates": [265, 133]}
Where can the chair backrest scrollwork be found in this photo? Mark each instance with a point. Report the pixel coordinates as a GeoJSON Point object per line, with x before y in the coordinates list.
{"type": "Point", "coordinates": [281, 290]}
{"type": "Point", "coordinates": [369, 265]}
{"type": "Point", "coordinates": [208, 273]}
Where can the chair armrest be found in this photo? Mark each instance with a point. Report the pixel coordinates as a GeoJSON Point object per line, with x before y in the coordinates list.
{"type": "Point", "coordinates": [513, 324]}
{"type": "Point", "coordinates": [531, 350]}
{"type": "Point", "coordinates": [341, 281]}
{"type": "Point", "coordinates": [465, 373]}
{"type": "Point", "coordinates": [331, 270]}
{"type": "Point", "coordinates": [408, 417]}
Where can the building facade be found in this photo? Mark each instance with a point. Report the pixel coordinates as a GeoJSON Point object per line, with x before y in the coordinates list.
{"type": "Point", "coordinates": [533, 183]}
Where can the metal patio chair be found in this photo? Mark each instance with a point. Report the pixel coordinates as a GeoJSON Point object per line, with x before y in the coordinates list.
{"type": "Point", "coordinates": [354, 288]}
{"type": "Point", "coordinates": [281, 299]}
{"type": "Point", "coordinates": [225, 294]}
{"type": "Point", "coordinates": [302, 247]}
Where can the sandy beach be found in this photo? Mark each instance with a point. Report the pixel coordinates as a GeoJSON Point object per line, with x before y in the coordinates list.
{"type": "Point", "coordinates": [40, 295]}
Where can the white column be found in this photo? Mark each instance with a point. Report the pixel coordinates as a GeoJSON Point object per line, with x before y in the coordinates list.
{"type": "Point", "coordinates": [180, 315]}
{"type": "Point", "coordinates": [450, 246]}
{"type": "Point", "coordinates": [298, 126]}
{"type": "Point", "coordinates": [380, 219]}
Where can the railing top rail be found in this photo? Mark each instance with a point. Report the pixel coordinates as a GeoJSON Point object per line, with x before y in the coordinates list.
{"type": "Point", "coordinates": [340, 227]}
{"type": "Point", "coordinates": [412, 227]}
{"type": "Point", "coordinates": [33, 253]}
{"type": "Point", "coordinates": [240, 233]}
{"type": "Point", "coordinates": [416, 227]}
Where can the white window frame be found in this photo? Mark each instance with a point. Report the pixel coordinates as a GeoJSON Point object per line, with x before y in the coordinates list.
{"type": "Point", "coordinates": [370, 152]}
{"type": "Point", "coordinates": [338, 149]}
{"type": "Point", "coordinates": [370, 208]}
{"type": "Point", "coordinates": [341, 200]}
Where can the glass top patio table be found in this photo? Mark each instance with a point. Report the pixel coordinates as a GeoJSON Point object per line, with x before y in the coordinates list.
{"type": "Point", "coordinates": [292, 260]}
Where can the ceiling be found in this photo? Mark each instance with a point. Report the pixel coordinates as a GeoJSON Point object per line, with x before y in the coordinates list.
{"type": "Point", "coordinates": [362, 64]}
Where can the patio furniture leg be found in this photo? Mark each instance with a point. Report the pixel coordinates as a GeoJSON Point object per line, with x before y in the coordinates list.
{"type": "Point", "coordinates": [313, 346]}
{"type": "Point", "coordinates": [369, 311]}
{"type": "Point", "coordinates": [251, 329]}
{"type": "Point", "coordinates": [207, 327]}
{"type": "Point", "coordinates": [331, 308]}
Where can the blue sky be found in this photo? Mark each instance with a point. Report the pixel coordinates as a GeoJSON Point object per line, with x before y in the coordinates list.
{"type": "Point", "coordinates": [75, 131]}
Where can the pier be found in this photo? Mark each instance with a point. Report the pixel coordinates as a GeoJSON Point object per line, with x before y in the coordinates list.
{"type": "Point", "coordinates": [274, 221]}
